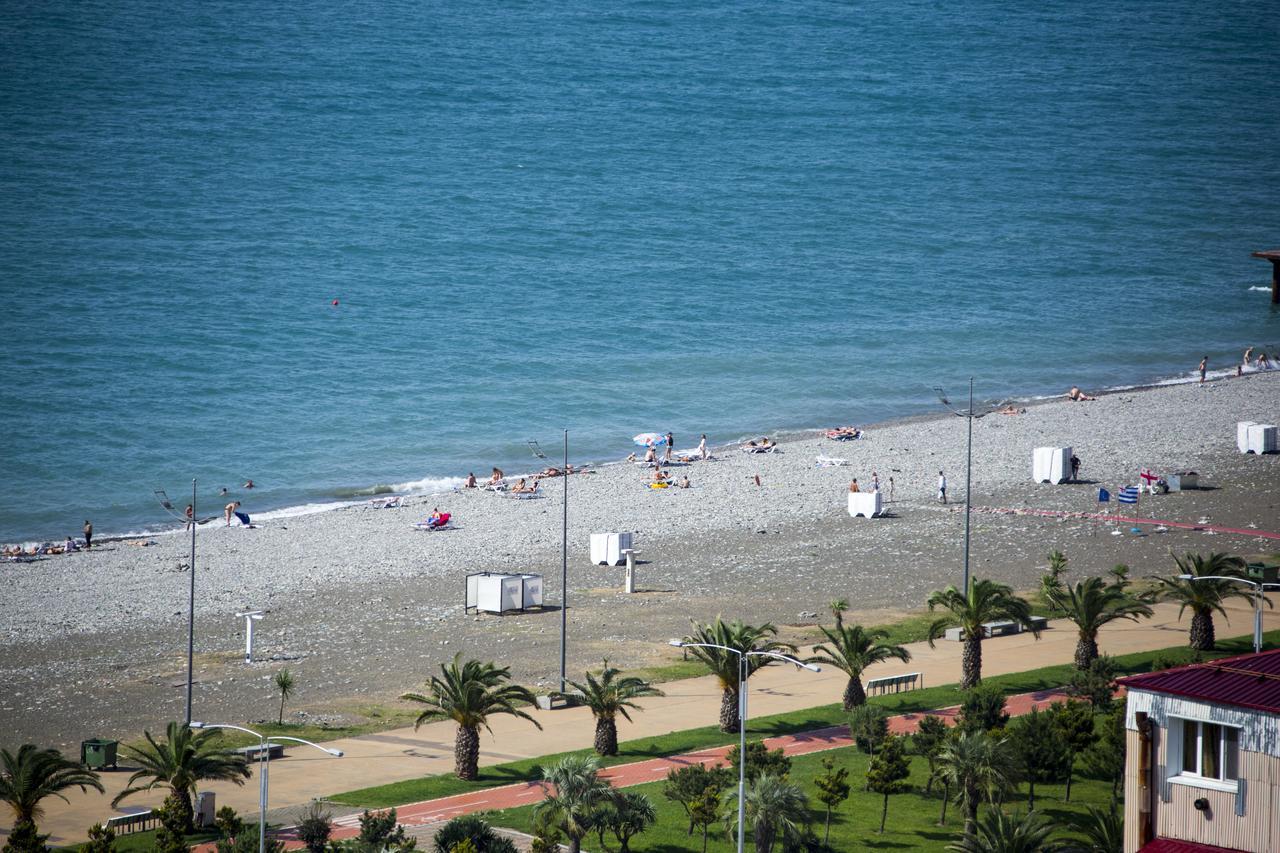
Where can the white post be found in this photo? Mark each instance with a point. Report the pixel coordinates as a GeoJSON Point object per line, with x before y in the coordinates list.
{"type": "Point", "coordinates": [631, 570]}
{"type": "Point", "coordinates": [1257, 619]}
{"type": "Point", "coordinates": [249, 618]}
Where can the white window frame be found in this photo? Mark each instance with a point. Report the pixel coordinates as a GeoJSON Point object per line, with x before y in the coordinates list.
{"type": "Point", "coordinates": [1176, 755]}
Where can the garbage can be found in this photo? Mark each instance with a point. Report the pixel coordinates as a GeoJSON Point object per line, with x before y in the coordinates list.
{"type": "Point", "coordinates": [98, 753]}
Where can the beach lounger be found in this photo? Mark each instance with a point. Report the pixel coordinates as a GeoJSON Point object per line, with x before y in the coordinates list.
{"type": "Point", "coordinates": [831, 462]}
{"type": "Point", "coordinates": [393, 502]}
{"type": "Point", "coordinates": [759, 449]}
{"type": "Point", "coordinates": [428, 524]}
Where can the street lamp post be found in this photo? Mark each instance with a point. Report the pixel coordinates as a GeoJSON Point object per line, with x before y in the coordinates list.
{"type": "Point", "coordinates": [742, 712]}
{"type": "Point", "coordinates": [1259, 595]}
{"type": "Point", "coordinates": [564, 559]}
{"type": "Point", "coordinates": [191, 599]}
{"type": "Point", "coordinates": [263, 753]}
{"type": "Point", "coordinates": [969, 415]}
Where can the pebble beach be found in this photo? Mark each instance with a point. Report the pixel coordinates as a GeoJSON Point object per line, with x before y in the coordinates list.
{"type": "Point", "coordinates": [362, 606]}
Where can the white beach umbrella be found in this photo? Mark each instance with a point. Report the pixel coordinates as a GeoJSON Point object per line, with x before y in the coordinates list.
{"type": "Point", "coordinates": [650, 439]}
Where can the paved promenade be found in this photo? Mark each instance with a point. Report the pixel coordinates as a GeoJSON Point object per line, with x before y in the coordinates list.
{"type": "Point", "coordinates": [402, 754]}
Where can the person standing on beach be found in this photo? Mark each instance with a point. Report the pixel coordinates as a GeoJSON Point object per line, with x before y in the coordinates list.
{"type": "Point", "coordinates": [702, 447]}
{"type": "Point", "coordinates": [191, 517]}
{"type": "Point", "coordinates": [671, 440]}
{"type": "Point", "coordinates": [88, 534]}
{"type": "Point", "coordinates": [875, 482]}
{"type": "Point", "coordinates": [1075, 467]}
{"type": "Point", "coordinates": [891, 490]}
{"type": "Point", "coordinates": [1247, 353]}
{"type": "Point", "coordinates": [1204, 364]}
{"type": "Point", "coordinates": [942, 487]}
{"type": "Point", "coordinates": [230, 509]}
{"type": "Point", "coordinates": [853, 487]}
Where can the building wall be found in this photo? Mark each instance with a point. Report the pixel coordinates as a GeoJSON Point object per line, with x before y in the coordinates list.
{"type": "Point", "coordinates": [1256, 828]}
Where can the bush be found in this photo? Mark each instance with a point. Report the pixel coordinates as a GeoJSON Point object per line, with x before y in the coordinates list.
{"type": "Point", "coordinates": [314, 828]}
{"type": "Point", "coordinates": [983, 709]}
{"type": "Point", "coordinates": [471, 833]}
{"type": "Point", "coordinates": [761, 761]}
{"type": "Point", "coordinates": [868, 726]}
{"type": "Point", "coordinates": [102, 839]}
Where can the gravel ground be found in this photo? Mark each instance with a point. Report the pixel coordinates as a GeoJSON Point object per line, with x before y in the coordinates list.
{"type": "Point", "coordinates": [362, 607]}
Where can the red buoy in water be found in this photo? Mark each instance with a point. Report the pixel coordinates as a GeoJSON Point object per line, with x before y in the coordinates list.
{"type": "Point", "coordinates": [335, 302]}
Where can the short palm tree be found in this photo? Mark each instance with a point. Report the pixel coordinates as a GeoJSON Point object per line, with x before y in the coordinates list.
{"type": "Point", "coordinates": [724, 664]}
{"type": "Point", "coordinates": [1092, 603]}
{"type": "Point", "coordinates": [626, 814]}
{"type": "Point", "coordinates": [837, 607]}
{"type": "Point", "coordinates": [775, 810]}
{"type": "Point", "coordinates": [469, 694]}
{"type": "Point", "coordinates": [979, 768]}
{"type": "Point", "coordinates": [986, 601]}
{"type": "Point", "coordinates": [578, 797]}
{"type": "Point", "coordinates": [1203, 597]}
{"type": "Point", "coordinates": [31, 775]}
{"type": "Point", "coordinates": [285, 684]}
{"type": "Point", "coordinates": [998, 832]}
{"type": "Point", "coordinates": [608, 696]}
{"type": "Point", "coordinates": [851, 649]}
{"type": "Point", "coordinates": [180, 762]}
{"type": "Point", "coordinates": [1101, 831]}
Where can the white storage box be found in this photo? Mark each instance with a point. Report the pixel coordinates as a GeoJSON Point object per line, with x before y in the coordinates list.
{"type": "Point", "coordinates": [866, 504]}
{"type": "Point", "coordinates": [1242, 435]}
{"type": "Point", "coordinates": [1262, 438]}
{"type": "Point", "coordinates": [607, 548]}
{"type": "Point", "coordinates": [1051, 464]}
{"type": "Point", "coordinates": [494, 592]}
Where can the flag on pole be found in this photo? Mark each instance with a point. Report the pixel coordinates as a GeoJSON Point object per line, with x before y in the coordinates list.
{"type": "Point", "coordinates": [1104, 496]}
{"type": "Point", "coordinates": [1128, 495]}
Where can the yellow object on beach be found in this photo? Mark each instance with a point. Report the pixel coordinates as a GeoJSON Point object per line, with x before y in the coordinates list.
{"type": "Point", "coordinates": [659, 485]}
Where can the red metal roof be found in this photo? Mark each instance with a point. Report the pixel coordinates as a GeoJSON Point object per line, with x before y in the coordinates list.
{"type": "Point", "coordinates": [1247, 681]}
{"type": "Point", "coordinates": [1171, 845]}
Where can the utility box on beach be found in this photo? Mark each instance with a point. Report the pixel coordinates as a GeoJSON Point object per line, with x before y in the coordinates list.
{"type": "Point", "coordinates": [1260, 438]}
{"type": "Point", "coordinates": [1242, 435]}
{"type": "Point", "coordinates": [865, 504]}
{"type": "Point", "coordinates": [1051, 464]}
{"type": "Point", "coordinates": [607, 548]}
{"type": "Point", "coordinates": [495, 592]}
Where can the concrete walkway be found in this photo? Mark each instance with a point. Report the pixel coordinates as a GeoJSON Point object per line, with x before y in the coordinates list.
{"type": "Point", "coordinates": [401, 754]}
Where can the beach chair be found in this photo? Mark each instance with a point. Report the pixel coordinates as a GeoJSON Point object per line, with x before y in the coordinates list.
{"type": "Point", "coordinates": [244, 519]}
{"type": "Point", "coordinates": [439, 524]}
{"type": "Point", "coordinates": [831, 462]}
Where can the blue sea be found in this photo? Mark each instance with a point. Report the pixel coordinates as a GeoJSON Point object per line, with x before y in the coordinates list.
{"type": "Point", "coordinates": [337, 247]}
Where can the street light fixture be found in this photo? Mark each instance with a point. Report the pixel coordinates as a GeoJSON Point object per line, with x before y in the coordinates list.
{"type": "Point", "coordinates": [742, 711]}
{"type": "Point", "coordinates": [263, 754]}
{"type": "Point", "coordinates": [1259, 595]}
{"type": "Point", "coordinates": [191, 600]}
{"type": "Point", "coordinates": [564, 558]}
{"type": "Point", "coordinates": [969, 415]}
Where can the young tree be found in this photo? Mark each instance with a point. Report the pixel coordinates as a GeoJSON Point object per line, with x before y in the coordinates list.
{"type": "Point", "coordinates": [314, 827]}
{"type": "Point", "coordinates": [1040, 749]}
{"type": "Point", "coordinates": [626, 814]}
{"type": "Point", "coordinates": [1106, 757]}
{"type": "Point", "coordinates": [775, 810]}
{"type": "Point", "coordinates": [1102, 831]}
{"type": "Point", "coordinates": [1097, 684]}
{"type": "Point", "coordinates": [580, 795]}
{"type": "Point", "coordinates": [228, 823]}
{"type": "Point", "coordinates": [102, 839]}
{"type": "Point", "coordinates": [31, 775]}
{"type": "Point", "coordinates": [1090, 604]}
{"type": "Point", "coordinates": [868, 726]}
{"type": "Point", "coordinates": [838, 607]}
{"type": "Point", "coordinates": [180, 762]}
{"type": "Point", "coordinates": [469, 694]}
{"type": "Point", "coordinates": [473, 832]}
{"type": "Point", "coordinates": [851, 649]}
{"type": "Point", "coordinates": [285, 684]}
{"type": "Point", "coordinates": [985, 601]}
{"type": "Point", "coordinates": [888, 771]}
{"type": "Point", "coordinates": [761, 760]}
{"type": "Point", "coordinates": [704, 811]}
{"type": "Point", "coordinates": [1202, 597]}
{"type": "Point", "coordinates": [833, 789]}
{"type": "Point", "coordinates": [998, 832]}
{"type": "Point", "coordinates": [983, 709]}
{"type": "Point", "coordinates": [546, 834]}
{"type": "Point", "coordinates": [380, 831]}
{"type": "Point", "coordinates": [927, 741]}
{"type": "Point", "coordinates": [687, 785]}
{"type": "Point", "coordinates": [1051, 585]}
{"type": "Point", "coordinates": [724, 665]}
{"type": "Point", "coordinates": [1074, 722]}
{"type": "Point", "coordinates": [980, 768]}
{"type": "Point", "coordinates": [1119, 576]}
{"type": "Point", "coordinates": [607, 697]}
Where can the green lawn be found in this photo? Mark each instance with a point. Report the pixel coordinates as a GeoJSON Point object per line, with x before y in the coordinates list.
{"type": "Point", "coordinates": [443, 785]}
{"type": "Point", "coordinates": [912, 822]}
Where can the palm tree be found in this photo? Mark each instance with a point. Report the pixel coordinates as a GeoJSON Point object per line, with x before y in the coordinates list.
{"type": "Point", "coordinates": [998, 832]}
{"type": "Point", "coordinates": [32, 775]}
{"type": "Point", "coordinates": [626, 814]}
{"type": "Point", "coordinates": [837, 607]}
{"type": "Point", "coordinates": [607, 697]}
{"type": "Point", "coordinates": [179, 762]}
{"type": "Point", "coordinates": [1092, 603]}
{"type": "Point", "coordinates": [284, 683]}
{"type": "Point", "coordinates": [852, 649]}
{"type": "Point", "coordinates": [724, 665]}
{"type": "Point", "coordinates": [1102, 831]}
{"type": "Point", "coordinates": [469, 694]}
{"type": "Point", "coordinates": [773, 808]}
{"type": "Point", "coordinates": [1205, 596]}
{"type": "Point", "coordinates": [977, 767]}
{"type": "Point", "coordinates": [1051, 580]}
{"type": "Point", "coordinates": [580, 795]}
{"type": "Point", "coordinates": [987, 601]}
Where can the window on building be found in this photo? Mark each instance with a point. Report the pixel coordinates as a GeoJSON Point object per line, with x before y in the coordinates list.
{"type": "Point", "coordinates": [1209, 750]}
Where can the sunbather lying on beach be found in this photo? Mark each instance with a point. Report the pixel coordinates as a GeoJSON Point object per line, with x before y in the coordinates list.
{"type": "Point", "coordinates": [1076, 395]}
{"type": "Point", "coordinates": [496, 478]}
{"type": "Point", "coordinates": [1012, 410]}
{"type": "Point", "coordinates": [519, 488]}
{"type": "Point", "coordinates": [650, 455]}
{"type": "Point", "coordinates": [844, 433]}
{"type": "Point", "coordinates": [659, 475]}
{"type": "Point", "coordinates": [684, 482]}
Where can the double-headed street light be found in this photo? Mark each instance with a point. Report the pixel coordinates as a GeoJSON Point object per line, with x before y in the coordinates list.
{"type": "Point", "coordinates": [263, 757]}
{"type": "Point", "coordinates": [564, 559]}
{"type": "Point", "coordinates": [1259, 595]}
{"type": "Point", "coordinates": [190, 521]}
{"type": "Point", "coordinates": [742, 711]}
{"type": "Point", "coordinates": [970, 415]}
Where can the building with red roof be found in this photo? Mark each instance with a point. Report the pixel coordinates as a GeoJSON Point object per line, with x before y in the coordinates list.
{"type": "Point", "coordinates": [1202, 772]}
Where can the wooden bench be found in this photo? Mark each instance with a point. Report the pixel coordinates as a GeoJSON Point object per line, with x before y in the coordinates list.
{"type": "Point", "coordinates": [998, 629]}
{"type": "Point", "coordinates": [136, 822]}
{"type": "Point", "coordinates": [254, 753]}
{"type": "Point", "coordinates": [895, 683]}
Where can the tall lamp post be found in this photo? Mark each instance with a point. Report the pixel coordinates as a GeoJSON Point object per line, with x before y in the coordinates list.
{"type": "Point", "coordinates": [1259, 595]}
{"type": "Point", "coordinates": [263, 755]}
{"type": "Point", "coordinates": [191, 599]}
{"type": "Point", "coordinates": [969, 415]}
{"type": "Point", "coordinates": [742, 712]}
{"type": "Point", "coordinates": [564, 559]}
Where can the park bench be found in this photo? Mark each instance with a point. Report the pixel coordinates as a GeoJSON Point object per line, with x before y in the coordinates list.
{"type": "Point", "coordinates": [254, 753]}
{"type": "Point", "coordinates": [998, 629]}
{"type": "Point", "coordinates": [136, 822]}
{"type": "Point", "coordinates": [553, 701]}
{"type": "Point", "coordinates": [895, 683]}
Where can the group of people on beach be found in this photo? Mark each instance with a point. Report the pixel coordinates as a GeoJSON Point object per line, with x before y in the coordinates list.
{"type": "Point", "coordinates": [661, 478]}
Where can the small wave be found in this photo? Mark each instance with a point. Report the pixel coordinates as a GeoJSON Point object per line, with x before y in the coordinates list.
{"type": "Point", "coordinates": [300, 509]}
{"type": "Point", "coordinates": [430, 485]}
{"type": "Point", "coordinates": [1263, 289]}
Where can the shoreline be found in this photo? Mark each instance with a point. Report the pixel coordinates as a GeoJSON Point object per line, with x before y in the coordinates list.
{"type": "Point", "coordinates": [362, 495]}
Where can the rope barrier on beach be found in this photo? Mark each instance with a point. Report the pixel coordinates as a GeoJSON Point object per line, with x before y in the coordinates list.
{"type": "Point", "coordinates": [1104, 516]}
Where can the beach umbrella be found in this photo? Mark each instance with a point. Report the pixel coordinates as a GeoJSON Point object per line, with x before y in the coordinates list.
{"type": "Point", "coordinates": [650, 439]}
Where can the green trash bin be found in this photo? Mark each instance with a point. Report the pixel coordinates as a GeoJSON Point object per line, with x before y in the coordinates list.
{"type": "Point", "coordinates": [1263, 573]}
{"type": "Point", "coordinates": [99, 753]}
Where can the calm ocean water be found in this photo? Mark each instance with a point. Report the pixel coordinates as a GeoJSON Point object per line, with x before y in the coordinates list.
{"type": "Point", "coordinates": [733, 218]}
